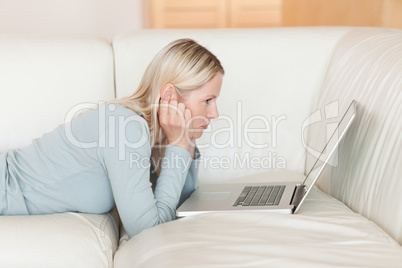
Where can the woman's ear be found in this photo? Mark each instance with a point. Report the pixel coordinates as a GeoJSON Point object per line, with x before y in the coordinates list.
{"type": "Point", "coordinates": [168, 92]}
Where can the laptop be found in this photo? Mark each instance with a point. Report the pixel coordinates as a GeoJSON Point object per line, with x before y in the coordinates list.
{"type": "Point", "coordinates": [280, 197]}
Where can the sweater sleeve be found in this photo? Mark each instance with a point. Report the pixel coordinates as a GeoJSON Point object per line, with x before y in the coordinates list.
{"type": "Point", "coordinates": [128, 166]}
{"type": "Point", "coordinates": [192, 179]}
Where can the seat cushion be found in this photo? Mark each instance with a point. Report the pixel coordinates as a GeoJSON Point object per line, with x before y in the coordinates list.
{"type": "Point", "coordinates": [324, 234]}
{"type": "Point", "coordinates": [58, 240]}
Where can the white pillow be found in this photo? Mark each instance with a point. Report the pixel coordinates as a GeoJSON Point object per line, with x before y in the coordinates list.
{"type": "Point", "coordinates": [58, 240]}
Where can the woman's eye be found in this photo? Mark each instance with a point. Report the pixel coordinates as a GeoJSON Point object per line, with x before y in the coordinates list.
{"type": "Point", "coordinates": [207, 101]}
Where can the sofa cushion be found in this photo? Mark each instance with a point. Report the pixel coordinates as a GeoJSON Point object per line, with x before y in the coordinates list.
{"type": "Point", "coordinates": [324, 234]}
{"type": "Point", "coordinates": [58, 240]}
{"type": "Point", "coordinates": [43, 78]}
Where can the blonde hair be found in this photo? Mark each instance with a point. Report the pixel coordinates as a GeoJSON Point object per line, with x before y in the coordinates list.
{"type": "Point", "coordinates": [184, 63]}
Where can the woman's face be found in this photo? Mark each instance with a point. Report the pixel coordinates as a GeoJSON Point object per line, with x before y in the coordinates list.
{"type": "Point", "coordinates": [202, 104]}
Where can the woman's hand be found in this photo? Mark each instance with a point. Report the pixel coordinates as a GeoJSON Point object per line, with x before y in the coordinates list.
{"type": "Point", "coordinates": [175, 121]}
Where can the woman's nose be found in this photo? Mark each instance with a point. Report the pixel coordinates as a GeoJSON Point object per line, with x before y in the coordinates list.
{"type": "Point", "coordinates": [213, 114]}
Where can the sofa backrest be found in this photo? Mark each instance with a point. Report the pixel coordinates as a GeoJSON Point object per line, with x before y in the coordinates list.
{"type": "Point", "coordinates": [268, 90]}
{"type": "Point", "coordinates": [43, 78]}
{"type": "Point", "coordinates": [367, 66]}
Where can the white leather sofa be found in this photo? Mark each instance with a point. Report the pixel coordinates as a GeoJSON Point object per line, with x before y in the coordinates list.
{"type": "Point", "coordinates": [275, 79]}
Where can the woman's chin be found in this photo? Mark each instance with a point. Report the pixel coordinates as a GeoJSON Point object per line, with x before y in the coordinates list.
{"type": "Point", "coordinates": [197, 133]}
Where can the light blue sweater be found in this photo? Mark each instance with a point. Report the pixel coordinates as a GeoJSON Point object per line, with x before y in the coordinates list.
{"type": "Point", "coordinates": [100, 159]}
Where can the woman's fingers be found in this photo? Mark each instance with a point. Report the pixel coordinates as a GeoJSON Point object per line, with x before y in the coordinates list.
{"type": "Point", "coordinates": [172, 108]}
{"type": "Point", "coordinates": [180, 112]}
{"type": "Point", "coordinates": [174, 119]}
{"type": "Point", "coordinates": [187, 117]}
{"type": "Point", "coordinates": [163, 109]}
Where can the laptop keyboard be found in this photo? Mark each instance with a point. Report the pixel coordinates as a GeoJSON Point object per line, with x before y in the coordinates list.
{"type": "Point", "coordinates": [260, 196]}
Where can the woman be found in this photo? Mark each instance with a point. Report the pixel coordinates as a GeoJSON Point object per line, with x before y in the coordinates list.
{"type": "Point", "coordinates": [111, 155]}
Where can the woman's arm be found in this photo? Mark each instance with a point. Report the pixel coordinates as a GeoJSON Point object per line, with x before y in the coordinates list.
{"type": "Point", "coordinates": [192, 178]}
{"type": "Point", "coordinates": [128, 167]}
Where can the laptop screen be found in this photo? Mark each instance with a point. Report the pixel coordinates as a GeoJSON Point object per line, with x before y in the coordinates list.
{"type": "Point", "coordinates": [327, 150]}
